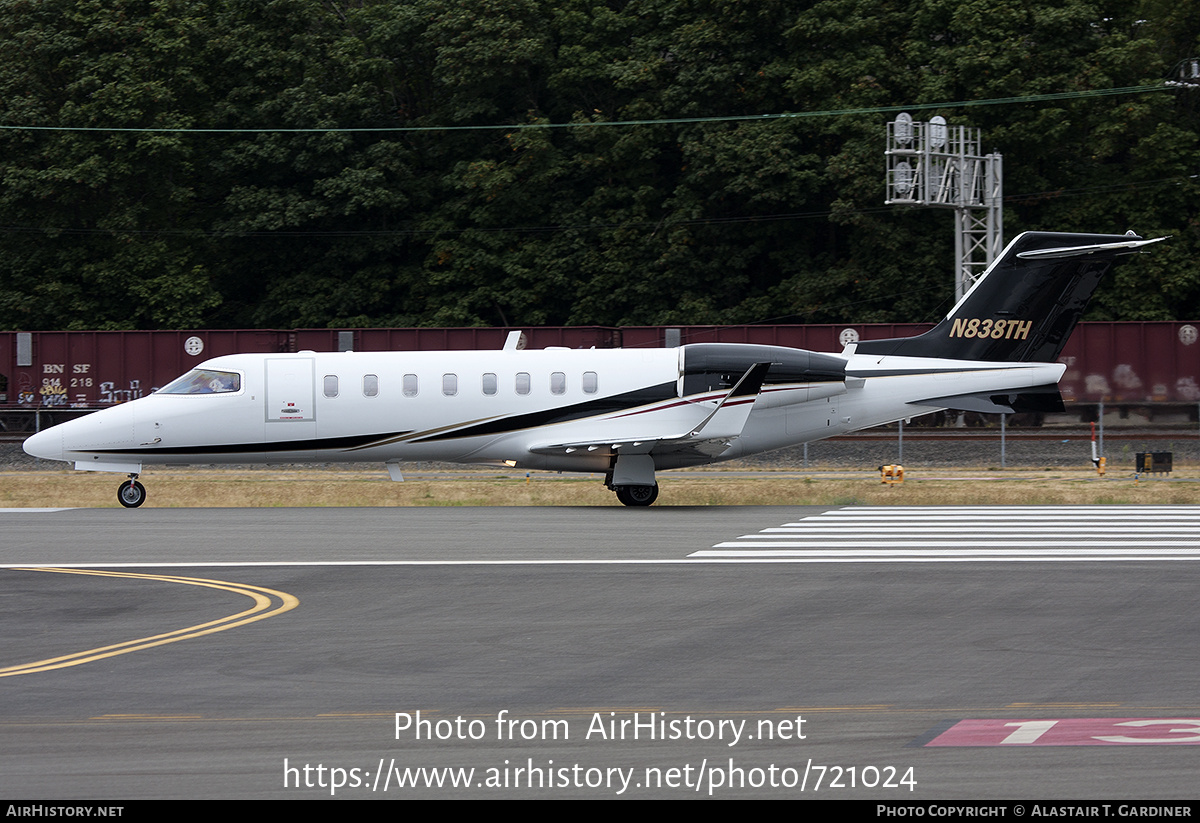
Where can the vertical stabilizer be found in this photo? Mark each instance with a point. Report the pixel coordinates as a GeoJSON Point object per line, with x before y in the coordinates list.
{"type": "Point", "coordinates": [1025, 305]}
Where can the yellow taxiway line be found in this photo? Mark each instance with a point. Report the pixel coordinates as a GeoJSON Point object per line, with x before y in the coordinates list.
{"type": "Point", "coordinates": [267, 603]}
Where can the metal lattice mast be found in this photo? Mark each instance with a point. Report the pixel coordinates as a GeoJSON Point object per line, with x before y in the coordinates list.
{"type": "Point", "coordinates": [936, 165]}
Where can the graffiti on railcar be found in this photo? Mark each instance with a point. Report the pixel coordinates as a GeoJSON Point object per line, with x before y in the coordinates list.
{"type": "Point", "coordinates": [110, 394]}
{"type": "Point", "coordinates": [26, 394]}
{"type": "Point", "coordinates": [1186, 388]}
{"type": "Point", "coordinates": [53, 392]}
{"type": "Point", "coordinates": [1127, 381]}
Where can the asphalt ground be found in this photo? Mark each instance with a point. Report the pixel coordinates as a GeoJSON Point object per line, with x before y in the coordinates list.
{"type": "Point", "coordinates": [268, 653]}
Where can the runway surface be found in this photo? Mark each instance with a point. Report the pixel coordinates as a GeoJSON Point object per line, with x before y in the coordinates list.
{"type": "Point", "coordinates": [881, 653]}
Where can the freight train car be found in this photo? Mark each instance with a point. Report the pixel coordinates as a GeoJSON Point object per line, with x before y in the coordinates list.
{"type": "Point", "coordinates": [1119, 363]}
{"type": "Point", "coordinates": [1144, 372]}
{"type": "Point", "coordinates": [1148, 369]}
{"type": "Point", "coordinates": [49, 376]}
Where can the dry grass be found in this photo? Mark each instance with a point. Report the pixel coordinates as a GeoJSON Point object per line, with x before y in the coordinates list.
{"type": "Point", "coordinates": [337, 487]}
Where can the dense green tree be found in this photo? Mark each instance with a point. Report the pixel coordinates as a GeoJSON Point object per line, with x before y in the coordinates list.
{"type": "Point", "coordinates": [312, 210]}
{"type": "Point", "coordinates": [96, 222]}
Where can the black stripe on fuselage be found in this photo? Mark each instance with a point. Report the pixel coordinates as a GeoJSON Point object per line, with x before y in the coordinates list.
{"type": "Point", "coordinates": [562, 414]}
{"type": "Point", "coordinates": [314, 444]}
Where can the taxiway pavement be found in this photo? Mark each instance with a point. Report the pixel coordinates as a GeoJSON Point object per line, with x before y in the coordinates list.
{"type": "Point", "coordinates": [569, 618]}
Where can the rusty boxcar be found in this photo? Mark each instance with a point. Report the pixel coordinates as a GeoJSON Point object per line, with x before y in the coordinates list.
{"type": "Point", "coordinates": [49, 374]}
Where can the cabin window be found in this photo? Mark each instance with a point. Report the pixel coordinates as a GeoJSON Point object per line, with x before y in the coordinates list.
{"type": "Point", "coordinates": [591, 383]}
{"type": "Point", "coordinates": [489, 384]}
{"type": "Point", "coordinates": [522, 382]}
{"type": "Point", "coordinates": [410, 385]}
{"type": "Point", "coordinates": [331, 387]}
{"type": "Point", "coordinates": [370, 385]}
{"type": "Point", "coordinates": [449, 384]}
{"type": "Point", "coordinates": [204, 381]}
{"type": "Point", "coordinates": [558, 382]}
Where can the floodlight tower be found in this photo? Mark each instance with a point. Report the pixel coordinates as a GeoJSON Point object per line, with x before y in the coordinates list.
{"type": "Point", "coordinates": [933, 164]}
{"type": "Point", "coordinates": [1188, 72]}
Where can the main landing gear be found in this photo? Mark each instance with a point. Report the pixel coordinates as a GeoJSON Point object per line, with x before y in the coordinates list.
{"type": "Point", "coordinates": [637, 495]}
{"type": "Point", "coordinates": [632, 478]}
{"type": "Point", "coordinates": [131, 494]}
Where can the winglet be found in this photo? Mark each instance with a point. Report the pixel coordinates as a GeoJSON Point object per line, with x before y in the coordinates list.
{"type": "Point", "coordinates": [748, 386]}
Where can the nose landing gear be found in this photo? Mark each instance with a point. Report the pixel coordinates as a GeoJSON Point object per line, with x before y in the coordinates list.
{"type": "Point", "coordinates": [131, 494]}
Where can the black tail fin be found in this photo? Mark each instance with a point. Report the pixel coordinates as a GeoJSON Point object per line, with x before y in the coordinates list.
{"type": "Point", "coordinates": [1025, 305]}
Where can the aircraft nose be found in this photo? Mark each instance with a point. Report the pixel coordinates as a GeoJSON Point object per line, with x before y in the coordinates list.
{"type": "Point", "coordinates": [110, 428]}
{"type": "Point", "coordinates": [47, 444]}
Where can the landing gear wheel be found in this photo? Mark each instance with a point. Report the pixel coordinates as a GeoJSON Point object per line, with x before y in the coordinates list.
{"type": "Point", "coordinates": [637, 495]}
{"type": "Point", "coordinates": [131, 494]}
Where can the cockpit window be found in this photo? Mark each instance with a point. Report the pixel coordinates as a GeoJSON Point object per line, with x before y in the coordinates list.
{"type": "Point", "coordinates": [204, 381]}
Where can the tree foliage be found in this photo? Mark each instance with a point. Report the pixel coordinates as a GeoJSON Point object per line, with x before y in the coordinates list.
{"type": "Point", "coordinates": [286, 224]}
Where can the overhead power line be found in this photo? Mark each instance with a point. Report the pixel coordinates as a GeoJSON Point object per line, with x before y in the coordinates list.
{"type": "Point", "coordinates": [996, 101]}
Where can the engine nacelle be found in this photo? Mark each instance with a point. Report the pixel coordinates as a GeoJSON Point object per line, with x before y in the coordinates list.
{"type": "Point", "coordinates": [707, 367]}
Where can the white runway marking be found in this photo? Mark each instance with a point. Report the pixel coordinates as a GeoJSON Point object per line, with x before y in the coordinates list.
{"type": "Point", "coordinates": [930, 534]}
{"type": "Point", "coordinates": [35, 511]}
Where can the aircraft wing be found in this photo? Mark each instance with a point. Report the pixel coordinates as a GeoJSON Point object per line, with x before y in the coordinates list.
{"type": "Point", "coordinates": [710, 446]}
{"type": "Point", "coordinates": [723, 419]}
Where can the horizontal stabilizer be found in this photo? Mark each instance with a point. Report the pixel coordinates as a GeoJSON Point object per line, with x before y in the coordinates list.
{"type": "Point", "coordinates": [1043, 399]}
{"type": "Point", "coordinates": [1129, 246]}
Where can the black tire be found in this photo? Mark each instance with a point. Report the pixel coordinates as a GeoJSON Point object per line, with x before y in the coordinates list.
{"type": "Point", "coordinates": [637, 495]}
{"type": "Point", "coordinates": [131, 494]}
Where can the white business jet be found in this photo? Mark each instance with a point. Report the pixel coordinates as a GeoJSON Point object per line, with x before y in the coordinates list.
{"type": "Point", "coordinates": [626, 413]}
